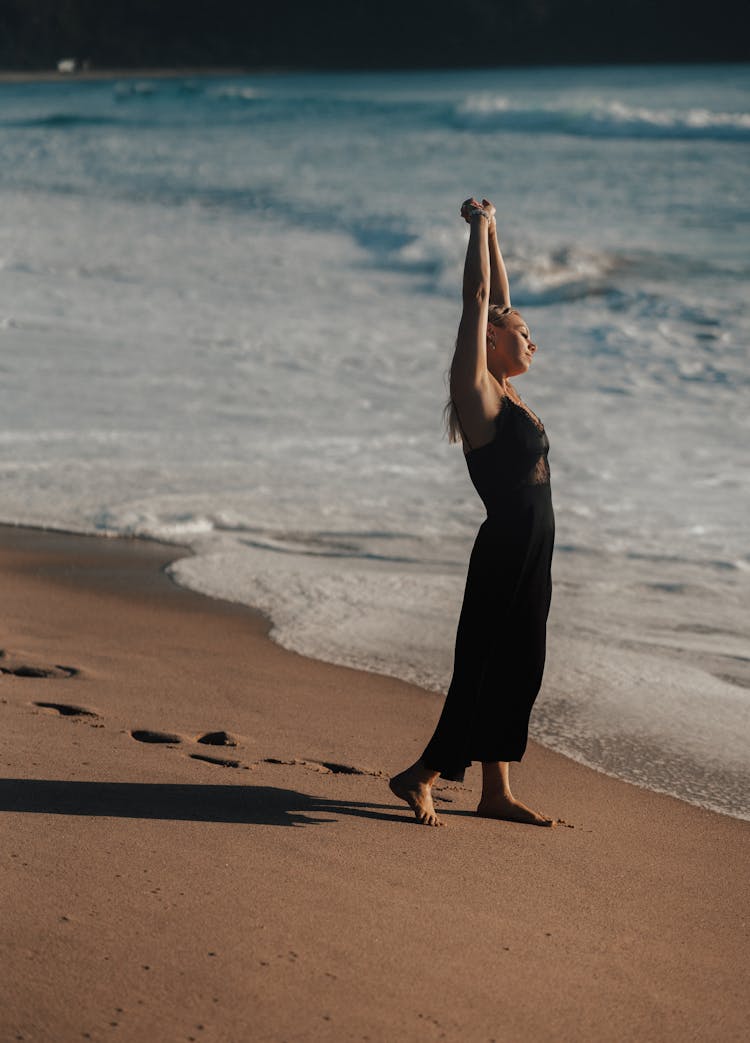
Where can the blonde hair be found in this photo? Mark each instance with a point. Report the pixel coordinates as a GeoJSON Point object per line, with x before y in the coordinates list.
{"type": "Point", "coordinates": [496, 316]}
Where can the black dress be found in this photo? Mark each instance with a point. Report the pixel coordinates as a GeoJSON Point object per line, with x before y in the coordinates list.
{"type": "Point", "coordinates": [501, 639]}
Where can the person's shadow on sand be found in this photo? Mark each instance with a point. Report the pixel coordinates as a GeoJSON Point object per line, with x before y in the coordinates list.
{"type": "Point", "coordinates": [257, 805]}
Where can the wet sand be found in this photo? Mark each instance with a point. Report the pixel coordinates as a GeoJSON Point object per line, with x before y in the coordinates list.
{"type": "Point", "coordinates": [264, 884]}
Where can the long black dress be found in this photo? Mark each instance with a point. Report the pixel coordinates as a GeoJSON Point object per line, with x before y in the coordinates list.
{"type": "Point", "coordinates": [501, 639]}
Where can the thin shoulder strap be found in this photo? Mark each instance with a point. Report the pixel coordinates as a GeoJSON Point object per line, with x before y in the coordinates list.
{"type": "Point", "coordinates": [500, 411]}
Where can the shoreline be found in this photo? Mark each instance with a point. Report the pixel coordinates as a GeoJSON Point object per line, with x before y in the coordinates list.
{"type": "Point", "coordinates": [88, 75]}
{"type": "Point", "coordinates": [176, 551]}
{"type": "Point", "coordinates": [178, 72]}
{"type": "Point", "coordinates": [156, 872]}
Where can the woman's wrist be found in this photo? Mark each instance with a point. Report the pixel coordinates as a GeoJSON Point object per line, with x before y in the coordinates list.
{"type": "Point", "coordinates": [473, 213]}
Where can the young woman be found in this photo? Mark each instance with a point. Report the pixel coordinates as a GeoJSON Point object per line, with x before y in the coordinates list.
{"type": "Point", "coordinates": [500, 644]}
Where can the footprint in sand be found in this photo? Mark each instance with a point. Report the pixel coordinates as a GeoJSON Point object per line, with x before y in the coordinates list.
{"type": "Point", "coordinates": [67, 709]}
{"type": "Point", "coordinates": [224, 762]}
{"type": "Point", "coordinates": [210, 739]}
{"type": "Point", "coordinates": [18, 667]}
{"type": "Point", "coordinates": [217, 739]}
{"type": "Point", "coordinates": [331, 767]}
{"type": "Point", "coordinates": [342, 769]}
{"type": "Point", "coordinates": [145, 735]}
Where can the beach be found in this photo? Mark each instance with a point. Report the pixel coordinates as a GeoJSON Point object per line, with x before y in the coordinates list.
{"type": "Point", "coordinates": [88, 75]}
{"type": "Point", "coordinates": [228, 306]}
{"type": "Point", "coordinates": [234, 539]}
{"type": "Point", "coordinates": [158, 887]}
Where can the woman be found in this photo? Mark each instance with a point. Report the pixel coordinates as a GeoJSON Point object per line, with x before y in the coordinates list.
{"type": "Point", "coordinates": [500, 644]}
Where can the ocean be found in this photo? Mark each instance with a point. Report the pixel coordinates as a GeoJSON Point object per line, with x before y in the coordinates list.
{"type": "Point", "coordinates": [227, 309]}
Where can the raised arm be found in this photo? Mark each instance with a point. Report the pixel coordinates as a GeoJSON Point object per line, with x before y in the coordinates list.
{"type": "Point", "coordinates": [474, 393]}
{"type": "Point", "coordinates": [469, 368]}
{"type": "Point", "coordinates": [499, 288]}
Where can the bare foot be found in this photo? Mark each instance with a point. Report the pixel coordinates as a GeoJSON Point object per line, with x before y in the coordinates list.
{"type": "Point", "coordinates": [507, 807]}
{"type": "Point", "coordinates": [417, 794]}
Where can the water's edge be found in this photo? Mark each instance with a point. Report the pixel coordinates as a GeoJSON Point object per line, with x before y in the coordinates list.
{"type": "Point", "coordinates": [267, 622]}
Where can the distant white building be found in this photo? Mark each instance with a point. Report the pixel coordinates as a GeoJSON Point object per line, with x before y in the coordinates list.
{"type": "Point", "coordinates": [67, 65]}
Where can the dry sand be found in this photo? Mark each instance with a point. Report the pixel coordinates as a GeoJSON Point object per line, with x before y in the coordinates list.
{"type": "Point", "coordinates": [150, 893]}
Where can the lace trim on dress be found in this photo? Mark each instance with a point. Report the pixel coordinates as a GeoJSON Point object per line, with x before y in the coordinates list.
{"type": "Point", "coordinates": [525, 409]}
{"type": "Point", "coordinates": [539, 473]}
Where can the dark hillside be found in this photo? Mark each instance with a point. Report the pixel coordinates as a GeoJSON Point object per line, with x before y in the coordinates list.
{"type": "Point", "coordinates": [365, 34]}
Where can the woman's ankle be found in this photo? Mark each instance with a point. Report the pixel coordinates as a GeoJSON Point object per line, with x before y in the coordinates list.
{"type": "Point", "coordinates": [423, 773]}
{"type": "Point", "coordinates": [496, 793]}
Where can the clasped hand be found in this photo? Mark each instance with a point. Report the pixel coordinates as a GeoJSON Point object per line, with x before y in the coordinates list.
{"type": "Point", "coordinates": [471, 208]}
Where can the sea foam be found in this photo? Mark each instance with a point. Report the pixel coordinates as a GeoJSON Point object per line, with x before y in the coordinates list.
{"type": "Point", "coordinates": [601, 119]}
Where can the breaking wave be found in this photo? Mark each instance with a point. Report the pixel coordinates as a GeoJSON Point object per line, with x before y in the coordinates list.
{"type": "Point", "coordinates": [601, 119]}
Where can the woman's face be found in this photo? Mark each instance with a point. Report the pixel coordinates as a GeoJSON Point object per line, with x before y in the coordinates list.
{"type": "Point", "coordinates": [510, 348]}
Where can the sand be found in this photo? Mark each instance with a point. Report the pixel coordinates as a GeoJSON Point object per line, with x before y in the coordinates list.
{"type": "Point", "coordinates": [121, 73]}
{"type": "Point", "coordinates": [274, 889]}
